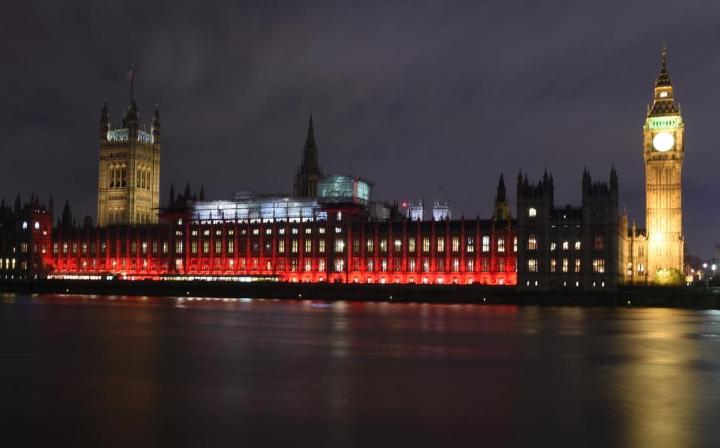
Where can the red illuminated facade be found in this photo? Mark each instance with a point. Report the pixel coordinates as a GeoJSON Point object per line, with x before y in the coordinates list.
{"type": "Point", "coordinates": [345, 248]}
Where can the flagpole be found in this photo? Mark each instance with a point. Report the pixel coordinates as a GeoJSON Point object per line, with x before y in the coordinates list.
{"type": "Point", "coordinates": [132, 81]}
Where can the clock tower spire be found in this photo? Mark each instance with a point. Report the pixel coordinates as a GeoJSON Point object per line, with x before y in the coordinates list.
{"type": "Point", "coordinates": [663, 152]}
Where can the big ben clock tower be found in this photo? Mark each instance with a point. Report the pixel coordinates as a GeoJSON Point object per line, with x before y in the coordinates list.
{"type": "Point", "coordinates": [663, 152]}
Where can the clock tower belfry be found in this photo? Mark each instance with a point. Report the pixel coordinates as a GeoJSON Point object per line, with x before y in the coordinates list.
{"type": "Point", "coordinates": [663, 150]}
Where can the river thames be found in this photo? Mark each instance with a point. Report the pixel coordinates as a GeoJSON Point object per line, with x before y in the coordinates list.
{"type": "Point", "coordinates": [144, 371]}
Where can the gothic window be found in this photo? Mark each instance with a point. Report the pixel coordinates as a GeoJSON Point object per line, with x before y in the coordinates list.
{"type": "Point", "coordinates": [440, 244]}
{"type": "Point", "coordinates": [455, 265]}
{"type": "Point", "coordinates": [532, 242]}
{"type": "Point", "coordinates": [599, 241]}
{"type": "Point", "coordinates": [599, 265]}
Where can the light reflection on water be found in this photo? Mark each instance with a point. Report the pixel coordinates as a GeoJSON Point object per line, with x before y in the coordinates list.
{"type": "Point", "coordinates": [117, 370]}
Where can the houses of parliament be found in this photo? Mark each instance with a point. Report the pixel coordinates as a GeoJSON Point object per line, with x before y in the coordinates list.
{"type": "Point", "coordinates": [329, 228]}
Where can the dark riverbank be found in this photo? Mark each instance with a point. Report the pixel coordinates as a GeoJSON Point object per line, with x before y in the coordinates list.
{"type": "Point", "coordinates": [682, 297]}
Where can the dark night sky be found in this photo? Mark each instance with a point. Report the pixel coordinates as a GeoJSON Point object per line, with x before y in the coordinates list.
{"type": "Point", "coordinates": [427, 99]}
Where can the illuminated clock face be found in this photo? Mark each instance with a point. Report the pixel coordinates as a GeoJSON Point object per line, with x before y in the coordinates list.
{"type": "Point", "coordinates": [663, 141]}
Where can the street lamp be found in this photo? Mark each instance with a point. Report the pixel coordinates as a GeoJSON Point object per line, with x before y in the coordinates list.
{"type": "Point", "coordinates": [707, 280]}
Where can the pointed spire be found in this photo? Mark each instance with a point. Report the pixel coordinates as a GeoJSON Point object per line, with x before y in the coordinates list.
{"type": "Point", "coordinates": [309, 172]}
{"type": "Point", "coordinates": [311, 131]}
{"type": "Point", "coordinates": [613, 179]}
{"type": "Point", "coordinates": [202, 192]}
{"type": "Point", "coordinates": [66, 220]}
{"type": "Point", "coordinates": [501, 195]}
{"type": "Point", "coordinates": [187, 195]}
{"type": "Point", "coordinates": [172, 194]}
{"type": "Point", "coordinates": [663, 79]}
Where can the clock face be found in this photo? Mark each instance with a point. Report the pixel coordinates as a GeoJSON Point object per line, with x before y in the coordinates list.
{"type": "Point", "coordinates": [663, 141]}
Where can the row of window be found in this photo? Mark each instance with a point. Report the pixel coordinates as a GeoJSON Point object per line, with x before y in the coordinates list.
{"type": "Point", "coordinates": [598, 265]}
{"type": "Point", "coordinates": [339, 246]}
{"type": "Point", "coordinates": [599, 243]}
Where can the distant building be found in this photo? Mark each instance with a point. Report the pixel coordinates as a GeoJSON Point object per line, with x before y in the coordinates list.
{"type": "Point", "coordinates": [25, 239]}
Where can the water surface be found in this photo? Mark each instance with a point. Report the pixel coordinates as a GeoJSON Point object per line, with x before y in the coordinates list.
{"type": "Point", "coordinates": [123, 371]}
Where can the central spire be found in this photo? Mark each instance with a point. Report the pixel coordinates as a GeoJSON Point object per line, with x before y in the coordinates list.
{"type": "Point", "coordinates": [309, 172]}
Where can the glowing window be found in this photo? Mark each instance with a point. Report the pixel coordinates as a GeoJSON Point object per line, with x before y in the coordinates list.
{"type": "Point", "coordinates": [532, 212]}
{"type": "Point", "coordinates": [532, 243]}
{"type": "Point", "coordinates": [440, 244]}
